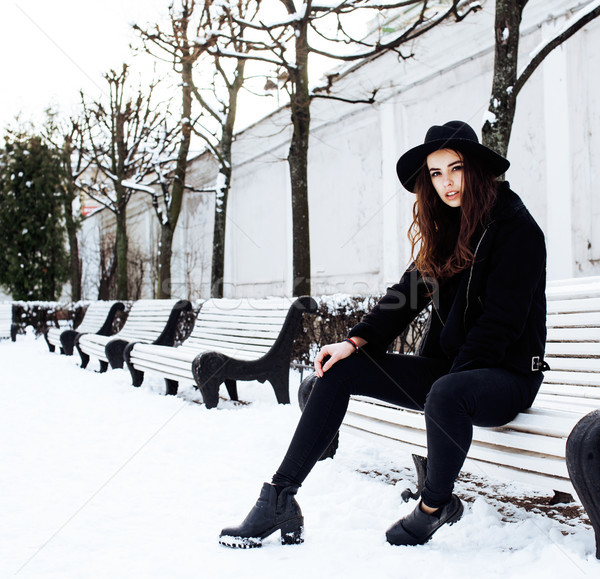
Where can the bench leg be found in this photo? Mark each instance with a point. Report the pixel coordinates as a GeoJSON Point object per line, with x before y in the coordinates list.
{"type": "Point", "coordinates": [85, 359]}
{"type": "Point", "coordinates": [281, 385]}
{"type": "Point", "coordinates": [583, 463]}
{"type": "Point", "coordinates": [171, 387]}
{"type": "Point", "coordinates": [421, 471]}
{"type": "Point", "coordinates": [103, 366]}
{"type": "Point", "coordinates": [137, 376]}
{"type": "Point", "coordinates": [231, 386]}
{"type": "Point", "coordinates": [51, 347]}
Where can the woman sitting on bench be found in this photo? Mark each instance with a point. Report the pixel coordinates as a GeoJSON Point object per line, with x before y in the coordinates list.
{"type": "Point", "coordinates": [480, 260]}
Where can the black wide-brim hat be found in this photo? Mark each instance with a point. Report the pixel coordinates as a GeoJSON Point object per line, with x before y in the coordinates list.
{"type": "Point", "coordinates": [456, 135]}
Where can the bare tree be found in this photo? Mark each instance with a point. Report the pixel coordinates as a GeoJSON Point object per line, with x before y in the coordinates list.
{"type": "Point", "coordinates": [67, 137]}
{"type": "Point", "coordinates": [186, 47]}
{"type": "Point", "coordinates": [508, 81]}
{"type": "Point", "coordinates": [122, 139]}
{"type": "Point", "coordinates": [287, 44]}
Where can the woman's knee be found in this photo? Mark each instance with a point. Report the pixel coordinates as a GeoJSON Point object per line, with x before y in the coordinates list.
{"type": "Point", "coordinates": [449, 393]}
{"type": "Point", "coordinates": [337, 379]}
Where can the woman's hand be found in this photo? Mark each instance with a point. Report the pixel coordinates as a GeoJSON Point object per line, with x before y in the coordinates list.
{"type": "Point", "coordinates": [336, 352]}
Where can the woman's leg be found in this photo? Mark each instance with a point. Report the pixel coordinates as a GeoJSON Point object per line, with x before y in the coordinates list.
{"type": "Point", "coordinates": [399, 379]}
{"type": "Point", "coordinates": [456, 403]}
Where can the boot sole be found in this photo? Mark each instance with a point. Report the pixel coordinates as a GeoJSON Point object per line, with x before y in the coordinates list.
{"type": "Point", "coordinates": [292, 533]}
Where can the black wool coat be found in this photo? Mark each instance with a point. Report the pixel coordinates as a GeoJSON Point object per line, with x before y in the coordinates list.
{"type": "Point", "coordinates": [492, 314]}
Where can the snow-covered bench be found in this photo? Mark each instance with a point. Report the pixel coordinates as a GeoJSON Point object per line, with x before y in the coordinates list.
{"type": "Point", "coordinates": [232, 339]}
{"type": "Point", "coordinates": [98, 319]}
{"type": "Point", "coordinates": [6, 330]}
{"type": "Point", "coordinates": [149, 321]}
{"type": "Point", "coordinates": [531, 448]}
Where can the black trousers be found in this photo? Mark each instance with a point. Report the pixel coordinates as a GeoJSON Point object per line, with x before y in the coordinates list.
{"type": "Point", "coordinates": [453, 403]}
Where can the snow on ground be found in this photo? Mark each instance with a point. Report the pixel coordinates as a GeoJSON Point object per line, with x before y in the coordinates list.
{"type": "Point", "coordinates": [100, 479]}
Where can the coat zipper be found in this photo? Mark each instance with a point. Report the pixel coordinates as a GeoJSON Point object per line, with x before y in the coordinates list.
{"type": "Point", "coordinates": [471, 272]}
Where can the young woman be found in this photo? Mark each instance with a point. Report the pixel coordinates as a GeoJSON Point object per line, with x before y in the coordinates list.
{"type": "Point", "coordinates": [480, 261]}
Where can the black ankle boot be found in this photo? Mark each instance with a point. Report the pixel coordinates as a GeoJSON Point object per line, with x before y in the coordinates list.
{"type": "Point", "coordinates": [418, 527]}
{"type": "Point", "coordinates": [271, 513]}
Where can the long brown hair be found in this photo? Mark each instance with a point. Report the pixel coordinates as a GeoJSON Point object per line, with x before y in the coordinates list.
{"type": "Point", "coordinates": [441, 236]}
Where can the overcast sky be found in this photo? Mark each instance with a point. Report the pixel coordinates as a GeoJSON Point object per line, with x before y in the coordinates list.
{"type": "Point", "coordinates": [53, 48]}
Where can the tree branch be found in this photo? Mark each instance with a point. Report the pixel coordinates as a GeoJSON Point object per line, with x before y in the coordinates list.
{"type": "Point", "coordinates": [554, 43]}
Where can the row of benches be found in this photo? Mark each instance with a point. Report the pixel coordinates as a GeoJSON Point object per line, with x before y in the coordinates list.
{"type": "Point", "coordinates": [231, 340]}
{"type": "Point", "coordinates": [252, 340]}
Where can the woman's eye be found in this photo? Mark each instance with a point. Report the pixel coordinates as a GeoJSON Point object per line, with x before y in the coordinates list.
{"type": "Point", "coordinates": [457, 168]}
{"type": "Point", "coordinates": [435, 174]}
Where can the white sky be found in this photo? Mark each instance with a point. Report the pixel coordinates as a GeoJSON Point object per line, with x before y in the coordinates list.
{"type": "Point", "coordinates": [53, 48]}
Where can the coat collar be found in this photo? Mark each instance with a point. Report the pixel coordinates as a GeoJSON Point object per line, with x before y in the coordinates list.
{"type": "Point", "coordinates": [507, 204]}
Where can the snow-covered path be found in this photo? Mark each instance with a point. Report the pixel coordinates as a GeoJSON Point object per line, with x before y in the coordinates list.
{"type": "Point", "coordinates": [100, 479]}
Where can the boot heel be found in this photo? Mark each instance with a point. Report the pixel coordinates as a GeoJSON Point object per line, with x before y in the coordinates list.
{"type": "Point", "coordinates": [292, 532]}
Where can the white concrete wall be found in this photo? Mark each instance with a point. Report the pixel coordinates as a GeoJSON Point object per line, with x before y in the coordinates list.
{"type": "Point", "coordinates": [359, 214]}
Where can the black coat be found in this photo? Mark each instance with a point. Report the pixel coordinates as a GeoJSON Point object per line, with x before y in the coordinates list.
{"type": "Point", "coordinates": [492, 314]}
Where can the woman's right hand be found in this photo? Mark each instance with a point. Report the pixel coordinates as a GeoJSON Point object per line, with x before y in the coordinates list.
{"type": "Point", "coordinates": [336, 352]}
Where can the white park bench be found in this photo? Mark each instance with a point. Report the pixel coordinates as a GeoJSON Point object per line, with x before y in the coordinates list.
{"type": "Point", "coordinates": [149, 321]}
{"type": "Point", "coordinates": [98, 319]}
{"type": "Point", "coordinates": [6, 321]}
{"type": "Point", "coordinates": [531, 448]}
{"type": "Point", "coordinates": [232, 339]}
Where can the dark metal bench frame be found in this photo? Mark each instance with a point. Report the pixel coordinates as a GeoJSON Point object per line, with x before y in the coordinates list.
{"type": "Point", "coordinates": [68, 336]}
{"type": "Point", "coordinates": [211, 369]}
{"type": "Point", "coordinates": [114, 349]}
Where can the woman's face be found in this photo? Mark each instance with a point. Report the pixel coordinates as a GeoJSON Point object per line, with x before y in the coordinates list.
{"type": "Point", "coordinates": [446, 171]}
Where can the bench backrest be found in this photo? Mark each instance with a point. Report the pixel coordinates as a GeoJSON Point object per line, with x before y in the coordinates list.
{"type": "Point", "coordinates": [243, 328]}
{"type": "Point", "coordinates": [573, 342]}
{"type": "Point", "coordinates": [95, 316]}
{"type": "Point", "coordinates": [5, 320]}
{"type": "Point", "coordinates": [146, 320]}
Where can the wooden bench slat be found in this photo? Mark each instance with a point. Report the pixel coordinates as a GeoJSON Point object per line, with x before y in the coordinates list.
{"type": "Point", "coordinates": [551, 423]}
{"type": "Point", "coordinates": [591, 304]}
{"type": "Point", "coordinates": [216, 338]}
{"type": "Point", "coordinates": [582, 320]}
{"type": "Point", "coordinates": [266, 332]}
{"type": "Point", "coordinates": [244, 313]}
{"type": "Point", "coordinates": [573, 335]}
{"type": "Point", "coordinates": [577, 390]}
{"type": "Point", "coordinates": [243, 328]}
{"type": "Point", "coordinates": [591, 365]}
{"type": "Point", "coordinates": [229, 347]}
{"type": "Point", "coordinates": [540, 462]}
{"type": "Point", "coordinates": [567, 402]}
{"type": "Point", "coordinates": [573, 349]}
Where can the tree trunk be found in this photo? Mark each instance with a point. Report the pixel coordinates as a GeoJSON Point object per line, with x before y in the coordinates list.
{"type": "Point", "coordinates": [121, 244]}
{"type": "Point", "coordinates": [167, 230]}
{"type": "Point", "coordinates": [164, 261]}
{"type": "Point", "coordinates": [498, 125]}
{"type": "Point", "coordinates": [75, 262]}
{"type": "Point", "coordinates": [223, 184]}
{"type": "Point", "coordinates": [298, 163]}
{"type": "Point", "coordinates": [218, 255]}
